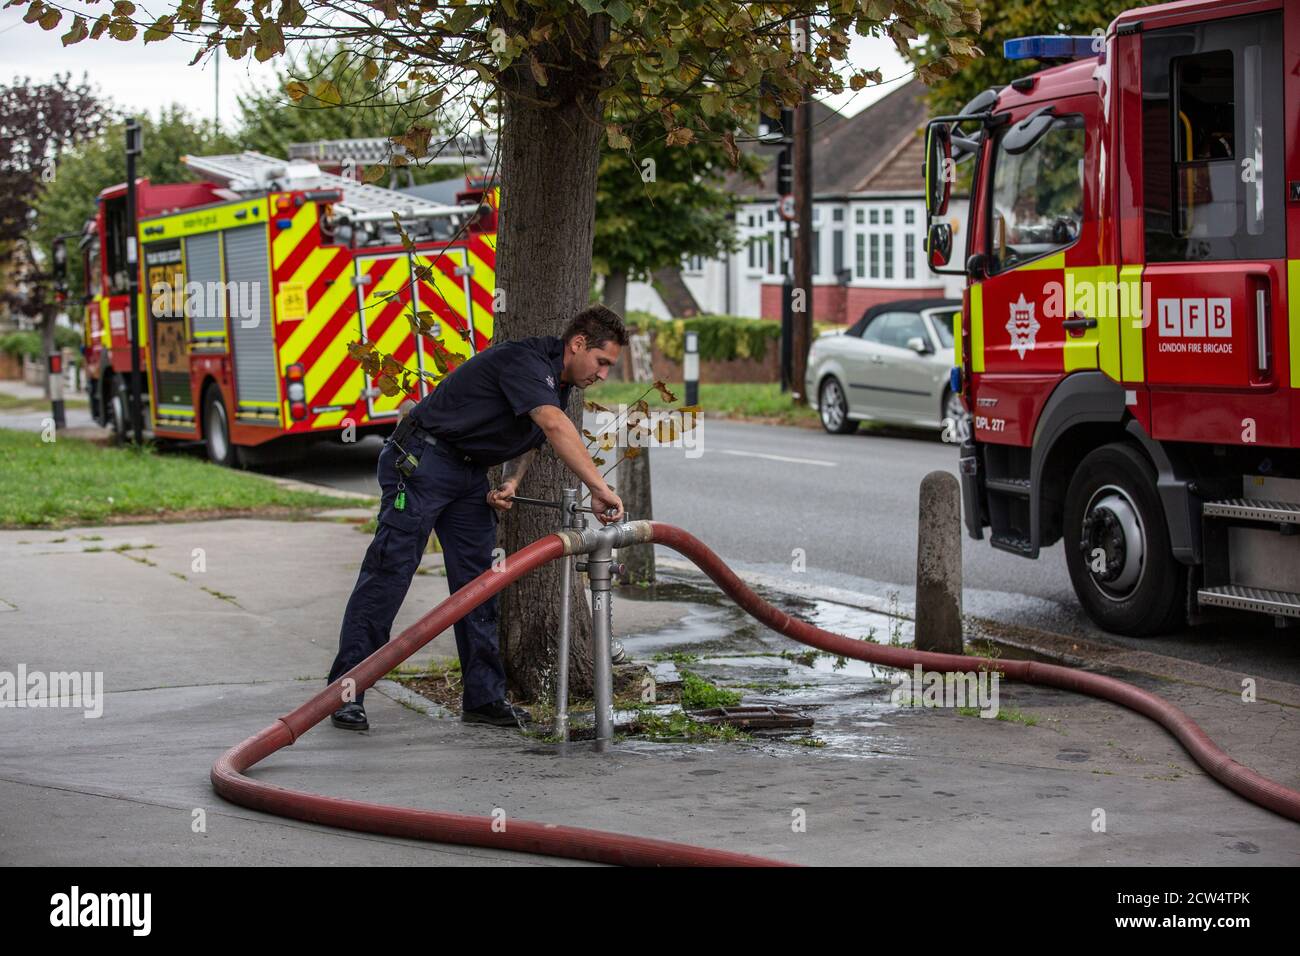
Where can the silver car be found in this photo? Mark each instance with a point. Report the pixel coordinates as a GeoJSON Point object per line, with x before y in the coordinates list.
{"type": "Point", "coordinates": [893, 365]}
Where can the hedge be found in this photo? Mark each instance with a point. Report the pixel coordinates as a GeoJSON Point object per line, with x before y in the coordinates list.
{"type": "Point", "coordinates": [722, 338]}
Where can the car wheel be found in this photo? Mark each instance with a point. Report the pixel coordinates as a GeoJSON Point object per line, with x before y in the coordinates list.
{"type": "Point", "coordinates": [834, 408]}
{"type": "Point", "coordinates": [1117, 545]}
{"type": "Point", "coordinates": [216, 431]}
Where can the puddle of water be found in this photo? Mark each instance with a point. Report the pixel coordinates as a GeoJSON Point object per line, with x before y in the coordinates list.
{"type": "Point", "coordinates": [849, 699]}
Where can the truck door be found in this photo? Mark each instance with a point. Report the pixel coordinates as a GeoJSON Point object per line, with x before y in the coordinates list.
{"type": "Point", "coordinates": [444, 290]}
{"type": "Point", "coordinates": [164, 294]}
{"type": "Point", "coordinates": [1213, 205]}
{"type": "Point", "coordinates": [1038, 203]}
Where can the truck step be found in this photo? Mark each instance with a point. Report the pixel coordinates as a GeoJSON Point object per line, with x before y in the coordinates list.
{"type": "Point", "coordinates": [1242, 598]}
{"type": "Point", "coordinates": [1008, 486]}
{"type": "Point", "coordinates": [1253, 509]}
{"type": "Point", "coordinates": [1006, 542]}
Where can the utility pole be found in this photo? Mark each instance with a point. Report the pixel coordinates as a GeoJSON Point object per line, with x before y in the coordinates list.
{"type": "Point", "coordinates": [801, 319]}
{"type": "Point", "coordinates": [785, 206]}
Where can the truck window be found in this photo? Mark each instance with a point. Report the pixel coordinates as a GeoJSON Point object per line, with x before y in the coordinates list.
{"type": "Point", "coordinates": [1212, 140]}
{"type": "Point", "coordinates": [90, 270]}
{"type": "Point", "coordinates": [1037, 197]}
{"type": "Point", "coordinates": [115, 251]}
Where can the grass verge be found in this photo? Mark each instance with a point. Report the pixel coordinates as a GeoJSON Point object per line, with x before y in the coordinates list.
{"type": "Point", "coordinates": [756, 401]}
{"type": "Point", "coordinates": [71, 482]}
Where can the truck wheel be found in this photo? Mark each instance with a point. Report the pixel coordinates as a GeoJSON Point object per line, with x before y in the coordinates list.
{"type": "Point", "coordinates": [833, 406]}
{"type": "Point", "coordinates": [118, 413]}
{"type": "Point", "coordinates": [1117, 545]}
{"type": "Point", "coordinates": [216, 431]}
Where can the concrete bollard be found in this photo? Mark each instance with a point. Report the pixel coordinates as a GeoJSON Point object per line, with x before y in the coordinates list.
{"type": "Point", "coordinates": [938, 565]}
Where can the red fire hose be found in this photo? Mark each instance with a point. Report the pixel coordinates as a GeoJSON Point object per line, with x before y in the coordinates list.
{"type": "Point", "coordinates": [604, 847]}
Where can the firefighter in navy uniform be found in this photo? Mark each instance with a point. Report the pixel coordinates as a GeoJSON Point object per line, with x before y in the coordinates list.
{"type": "Point", "coordinates": [498, 407]}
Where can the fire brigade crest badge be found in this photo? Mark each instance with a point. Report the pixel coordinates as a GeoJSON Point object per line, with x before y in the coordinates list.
{"type": "Point", "coordinates": [1023, 326]}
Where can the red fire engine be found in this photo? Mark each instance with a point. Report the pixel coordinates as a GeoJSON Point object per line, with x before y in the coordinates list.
{"type": "Point", "coordinates": [1130, 336]}
{"type": "Point", "coordinates": [252, 284]}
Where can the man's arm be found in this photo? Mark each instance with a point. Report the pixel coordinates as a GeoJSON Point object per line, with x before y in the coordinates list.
{"type": "Point", "coordinates": [511, 474]}
{"type": "Point", "coordinates": [515, 468]}
{"type": "Point", "coordinates": [568, 445]}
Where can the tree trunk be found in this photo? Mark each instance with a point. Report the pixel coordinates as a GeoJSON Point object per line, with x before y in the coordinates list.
{"type": "Point", "coordinates": [677, 296]}
{"type": "Point", "coordinates": [549, 155]}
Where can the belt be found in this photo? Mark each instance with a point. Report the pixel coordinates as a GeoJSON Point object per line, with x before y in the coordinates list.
{"type": "Point", "coordinates": [408, 426]}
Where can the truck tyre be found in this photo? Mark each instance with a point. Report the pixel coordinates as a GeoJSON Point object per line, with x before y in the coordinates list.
{"type": "Point", "coordinates": [833, 406]}
{"type": "Point", "coordinates": [216, 431]}
{"type": "Point", "coordinates": [1117, 545]}
{"type": "Point", "coordinates": [117, 413]}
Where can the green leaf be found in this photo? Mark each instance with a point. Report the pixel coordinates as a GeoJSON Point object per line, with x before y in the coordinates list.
{"type": "Point", "coordinates": [619, 12]}
{"type": "Point", "coordinates": [122, 30]}
{"type": "Point", "coordinates": [161, 29]}
{"type": "Point", "coordinates": [592, 6]}
{"type": "Point", "coordinates": [123, 8]}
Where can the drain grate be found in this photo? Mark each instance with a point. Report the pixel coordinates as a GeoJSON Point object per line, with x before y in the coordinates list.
{"type": "Point", "coordinates": [762, 717]}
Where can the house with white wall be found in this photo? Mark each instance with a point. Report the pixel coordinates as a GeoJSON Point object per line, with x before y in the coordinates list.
{"type": "Point", "coordinates": [868, 223]}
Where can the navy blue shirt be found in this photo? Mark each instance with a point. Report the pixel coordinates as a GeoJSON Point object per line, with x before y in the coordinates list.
{"type": "Point", "coordinates": [482, 407]}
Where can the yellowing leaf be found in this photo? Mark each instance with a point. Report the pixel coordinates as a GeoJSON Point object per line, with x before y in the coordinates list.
{"type": "Point", "coordinates": [616, 138]}
{"type": "Point", "coordinates": [328, 93]}
{"type": "Point", "coordinates": [296, 90]}
{"type": "Point", "coordinates": [77, 32]}
{"type": "Point", "coordinates": [539, 71]}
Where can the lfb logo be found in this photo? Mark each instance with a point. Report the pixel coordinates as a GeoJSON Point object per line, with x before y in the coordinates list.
{"type": "Point", "coordinates": [1195, 318]}
{"type": "Point", "coordinates": [1022, 326]}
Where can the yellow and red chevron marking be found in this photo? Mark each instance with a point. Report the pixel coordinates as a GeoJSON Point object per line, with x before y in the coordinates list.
{"type": "Point", "coordinates": [387, 306]}
{"type": "Point", "coordinates": [319, 341]}
{"type": "Point", "coordinates": [443, 294]}
{"type": "Point", "coordinates": [483, 283]}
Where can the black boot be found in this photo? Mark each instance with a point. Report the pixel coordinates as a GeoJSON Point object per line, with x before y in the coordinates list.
{"type": "Point", "coordinates": [350, 717]}
{"type": "Point", "coordinates": [499, 713]}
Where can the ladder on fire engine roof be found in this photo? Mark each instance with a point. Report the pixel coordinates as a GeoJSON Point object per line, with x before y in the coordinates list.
{"type": "Point", "coordinates": [471, 150]}
{"type": "Point", "coordinates": [251, 173]}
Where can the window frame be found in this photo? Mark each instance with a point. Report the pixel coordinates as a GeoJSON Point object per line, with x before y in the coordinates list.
{"type": "Point", "coordinates": [995, 154]}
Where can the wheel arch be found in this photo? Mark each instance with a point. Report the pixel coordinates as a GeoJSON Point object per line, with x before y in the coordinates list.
{"type": "Point", "coordinates": [1088, 410]}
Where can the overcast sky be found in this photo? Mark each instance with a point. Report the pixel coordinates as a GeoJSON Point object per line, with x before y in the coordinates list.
{"type": "Point", "coordinates": [144, 79]}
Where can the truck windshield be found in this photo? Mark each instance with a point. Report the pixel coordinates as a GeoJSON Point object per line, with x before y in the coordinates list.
{"type": "Point", "coordinates": [1037, 201]}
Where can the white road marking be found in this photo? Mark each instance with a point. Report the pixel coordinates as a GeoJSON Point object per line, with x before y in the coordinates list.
{"type": "Point", "coordinates": [797, 461]}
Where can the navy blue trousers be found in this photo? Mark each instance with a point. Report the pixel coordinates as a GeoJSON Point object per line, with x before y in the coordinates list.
{"type": "Point", "coordinates": [448, 496]}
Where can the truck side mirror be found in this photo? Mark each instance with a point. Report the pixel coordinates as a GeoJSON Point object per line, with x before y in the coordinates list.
{"type": "Point", "coordinates": [938, 244]}
{"type": "Point", "coordinates": [939, 168]}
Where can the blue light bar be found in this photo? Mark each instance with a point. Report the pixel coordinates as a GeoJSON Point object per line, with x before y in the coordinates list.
{"type": "Point", "coordinates": [1049, 48]}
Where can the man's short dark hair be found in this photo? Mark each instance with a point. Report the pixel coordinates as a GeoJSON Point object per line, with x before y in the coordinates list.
{"type": "Point", "coordinates": [598, 325]}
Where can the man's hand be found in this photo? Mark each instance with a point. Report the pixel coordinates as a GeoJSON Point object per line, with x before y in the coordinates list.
{"type": "Point", "coordinates": [499, 497]}
{"type": "Point", "coordinates": [603, 500]}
